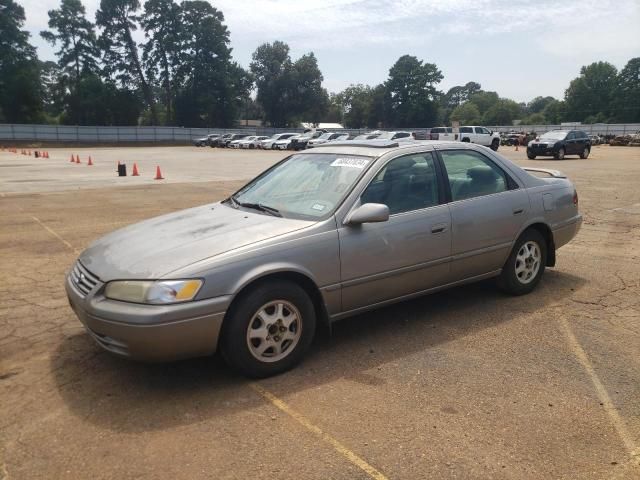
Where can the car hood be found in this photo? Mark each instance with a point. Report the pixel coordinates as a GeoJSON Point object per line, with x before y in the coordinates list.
{"type": "Point", "coordinates": [156, 247]}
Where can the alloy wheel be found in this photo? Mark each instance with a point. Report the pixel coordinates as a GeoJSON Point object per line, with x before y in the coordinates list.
{"type": "Point", "coordinates": [528, 262]}
{"type": "Point", "coordinates": [274, 331]}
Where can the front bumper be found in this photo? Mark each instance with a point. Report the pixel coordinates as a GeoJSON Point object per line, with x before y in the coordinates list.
{"type": "Point", "coordinates": [152, 333]}
{"type": "Point", "coordinates": [542, 150]}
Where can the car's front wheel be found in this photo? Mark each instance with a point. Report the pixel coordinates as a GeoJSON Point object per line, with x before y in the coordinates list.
{"type": "Point", "coordinates": [269, 329]}
{"type": "Point", "coordinates": [559, 155]}
{"type": "Point", "coordinates": [585, 153]}
{"type": "Point", "coordinates": [526, 263]}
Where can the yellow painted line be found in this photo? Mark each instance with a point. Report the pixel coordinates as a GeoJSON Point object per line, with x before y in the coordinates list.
{"type": "Point", "coordinates": [603, 395]}
{"type": "Point", "coordinates": [337, 446]}
{"type": "Point", "coordinates": [52, 232]}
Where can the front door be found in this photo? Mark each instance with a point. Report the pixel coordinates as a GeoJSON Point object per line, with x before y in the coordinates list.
{"type": "Point", "coordinates": [409, 252]}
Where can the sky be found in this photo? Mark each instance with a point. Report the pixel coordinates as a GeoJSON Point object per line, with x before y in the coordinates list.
{"type": "Point", "coordinates": [519, 48]}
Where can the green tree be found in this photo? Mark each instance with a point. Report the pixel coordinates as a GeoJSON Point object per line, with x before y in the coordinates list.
{"type": "Point", "coordinates": [484, 100]}
{"type": "Point", "coordinates": [310, 101]}
{"type": "Point", "coordinates": [411, 92]}
{"type": "Point", "coordinates": [466, 114]}
{"type": "Point", "coordinates": [627, 94]}
{"type": "Point", "coordinates": [591, 93]}
{"type": "Point", "coordinates": [538, 104]}
{"type": "Point", "coordinates": [503, 112]}
{"type": "Point", "coordinates": [534, 119]}
{"type": "Point", "coordinates": [213, 88]}
{"type": "Point", "coordinates": [356, 101]}
{"type": "Point", "coordinates": [77, 58]}
{"type": "Point", "coordinates": [120, 52]}
{"type": "Point", "coordinates": [554, 112]}
{"type": "Point", "coordinates": [272, 69]}
{"type": "Point", "coordinates": [20, 85]}
{"type": "Point", "coordinates": [76, 37]}
{"type": "Point", "coordinates": [161, 52]}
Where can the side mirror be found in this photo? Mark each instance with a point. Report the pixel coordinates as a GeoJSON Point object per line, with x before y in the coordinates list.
{"type": "Point", "coordinates": [368, 213]}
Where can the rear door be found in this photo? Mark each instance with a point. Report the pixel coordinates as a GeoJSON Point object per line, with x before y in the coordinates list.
{"type": "Point", "coordinates": [409, 252]}
{"type": "Point", "coordinates": [571, 147]}
{"type": "Point", "coordinates": [488, 209]}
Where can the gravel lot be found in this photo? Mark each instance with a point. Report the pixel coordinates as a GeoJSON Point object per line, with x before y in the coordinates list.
{"type": "Point", "coordinates": [467, 383]}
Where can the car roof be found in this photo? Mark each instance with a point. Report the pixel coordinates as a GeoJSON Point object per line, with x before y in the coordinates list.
{"type": "Point", "coordinates": [377, 148]}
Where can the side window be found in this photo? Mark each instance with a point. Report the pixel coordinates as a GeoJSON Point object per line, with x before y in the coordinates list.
{"type": "Point", "coordinates": [571, 136]}
{"type": "Point", "coordinates": [471, 174]}
{"type": "Point", "coordinates": [405, 184]}
{"type": "Point", "coordinates": [480, 130]}
{"type": "Point", "coordinates": [466, 130]}
{"type": "Point", "coordinates": [401, 135]}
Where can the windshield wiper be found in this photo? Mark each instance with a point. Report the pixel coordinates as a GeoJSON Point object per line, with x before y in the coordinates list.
{"type": "Point", "coordinates": [258, 206]}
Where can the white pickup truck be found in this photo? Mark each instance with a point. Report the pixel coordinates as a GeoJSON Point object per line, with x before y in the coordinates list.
{"type": "Point", "coordinates": [472, 134]}
{"type": "Point", "coordinates": [480, 136]}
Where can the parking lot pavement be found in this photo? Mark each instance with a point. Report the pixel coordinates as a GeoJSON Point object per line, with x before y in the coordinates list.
{"type": "Point", "coordinates": [466, 383]}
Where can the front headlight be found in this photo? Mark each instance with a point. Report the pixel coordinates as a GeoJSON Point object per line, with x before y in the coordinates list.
{"type": "Point", "coordinates": [153, 292]}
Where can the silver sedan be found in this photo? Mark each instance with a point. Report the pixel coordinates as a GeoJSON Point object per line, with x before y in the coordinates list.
{"type": "Point", "coordinates": [320, 236]}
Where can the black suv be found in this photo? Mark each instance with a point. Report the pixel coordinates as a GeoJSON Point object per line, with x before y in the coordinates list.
{"type": "Point", "coordinates": [558, 143]}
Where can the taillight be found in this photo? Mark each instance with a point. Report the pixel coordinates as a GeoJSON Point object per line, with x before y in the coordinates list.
{"type": "Point", "coordinates": [575, 198]}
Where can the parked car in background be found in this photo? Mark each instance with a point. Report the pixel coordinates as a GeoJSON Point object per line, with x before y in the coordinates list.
{"type": "Point", "coordinates": [421, 135]}
{"type": "Point", "coordinates": [559, 143]}
{"type": "Point", "coordinates": [286, 143]}
{"type": "Point", "coordinates": [252, 142]}
{"type": "Point", "coordinates": [268, 143]}
{"type": "Point", "coordinates": [232, 138]}
{"type": "Point", "coordinates": [368, 136]}
{"type": "Point", "coordinates": [327, 137]}
{"type": "Point", "coordinates": [443, 133]}
{"type": "Point", "coordinates": [595, 139]}
{"type": "Point", "coordinates": [480, 136]}
{"type": "Point", "coordinates": [301, 141]}
{"type": "Point", "coordinates": [218, 142]}
{"type": "Point", "coordinates": [394, 136]}
{"type": "Point", "coordinates": [318, 237]}
{"type": "Point", "coordinates": [204, 141]}
{"type": "Point", "coordinates": [236, 143]}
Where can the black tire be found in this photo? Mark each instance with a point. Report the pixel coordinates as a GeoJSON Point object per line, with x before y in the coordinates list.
{"type": "Point", "coordinates": [234, 344]}
{"type": "Point", "coordinates": [509, 281]}
{"type": "Point", "coordinates": [531, 156]}
{"type": "Point", "coordinates": [560, 154]}
{"type": "Point", "coordinates": [466, 140]}
{"type": "Point", "coordinates": [495, 144]}
{"type": "Point", "coordinates": [585, 153]}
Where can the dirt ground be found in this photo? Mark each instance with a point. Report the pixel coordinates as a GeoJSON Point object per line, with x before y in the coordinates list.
{"type": "Point", "coordinates": [467, 383]}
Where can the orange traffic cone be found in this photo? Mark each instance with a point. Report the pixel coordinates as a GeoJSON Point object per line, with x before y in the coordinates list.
{"type": "Point", "coordinates": [516, 147]}
{"type": "Point", "coordinates": [158, 174]}
{"type": "Point", "coordinates": [135, 171]}
{"type": "Point", "coordinates": [46, 154]}
{"type": "Point", "coordinates": [73, 160]}
{"type": "Point", "coordinates": [77, 158]}
{"type": "Point", "coordinates": [90, 163]}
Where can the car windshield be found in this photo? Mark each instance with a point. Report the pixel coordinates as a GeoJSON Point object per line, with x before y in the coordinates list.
{"type": "Point", "coordinates": [306, 185]}
{"type": "Point", "coordinates": [324, 136]}
{"type": "Point", "coordinates": [554, 135]}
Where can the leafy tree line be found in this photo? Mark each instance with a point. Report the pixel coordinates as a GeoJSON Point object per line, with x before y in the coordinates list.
{"type": "Point", "coordinates": [183, 74]}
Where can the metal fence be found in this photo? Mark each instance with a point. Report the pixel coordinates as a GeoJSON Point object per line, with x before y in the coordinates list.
{"type": "Point", "coordinates": [183, 136]}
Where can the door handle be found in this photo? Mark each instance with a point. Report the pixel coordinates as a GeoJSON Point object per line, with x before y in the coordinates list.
{"type": "Point", "coordinates": [438, 229]}
{"type": "Point", "coordinates": [518, 211]}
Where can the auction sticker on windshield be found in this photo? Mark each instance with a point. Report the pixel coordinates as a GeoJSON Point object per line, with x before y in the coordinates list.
{"type": "Point", "coordinates": [350, 162]}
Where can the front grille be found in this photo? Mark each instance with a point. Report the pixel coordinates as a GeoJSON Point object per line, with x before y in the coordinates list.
{"type": "Point", "coordinates": [83, 279]}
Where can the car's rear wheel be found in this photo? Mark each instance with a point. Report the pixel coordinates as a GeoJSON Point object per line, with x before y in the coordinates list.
{"type": "Point", "coordinates": [526, 263]}
{"type": "Point", "coordinates": [466, 140]}
{"type": "Point", "coordinates": [559, 155]}
{"type": "Point", "coordinates": [495, 144]}
{"type": "Point", "coordinates": [269, 329]}
{"type": "Point", "coordinates": [585, 153]}
{"type": "Point", "coordinates": [531, 156]}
